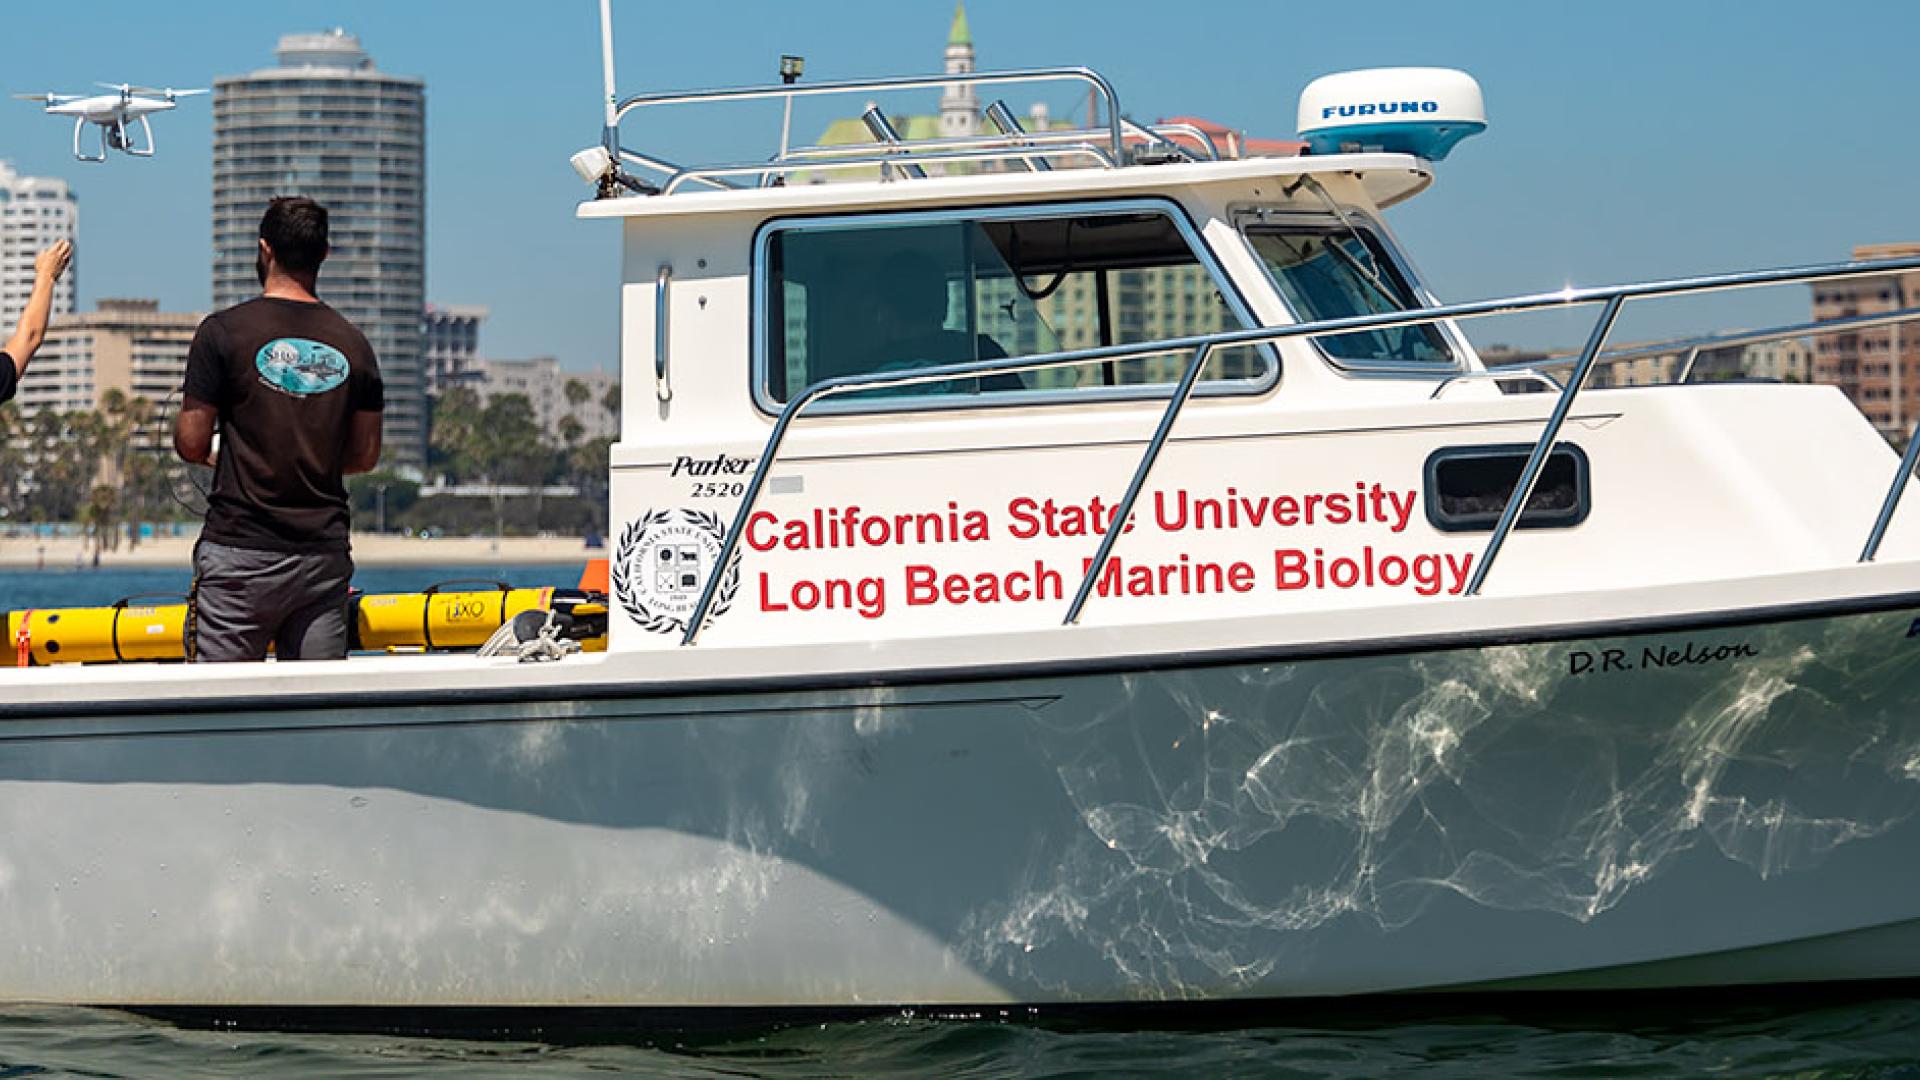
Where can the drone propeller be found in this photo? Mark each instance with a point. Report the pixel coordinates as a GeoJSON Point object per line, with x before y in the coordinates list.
{"type": "Point", "coordinates": [167, 92]}
{"type": "Point", "coordinates": [48, 98]}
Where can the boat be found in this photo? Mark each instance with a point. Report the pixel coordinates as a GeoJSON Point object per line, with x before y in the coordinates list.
{"type": "Point", "coordinates": [1057, 569]}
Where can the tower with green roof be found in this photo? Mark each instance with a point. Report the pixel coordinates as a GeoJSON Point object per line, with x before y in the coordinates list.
{"type": "Point", "coordinates": [959, 112]}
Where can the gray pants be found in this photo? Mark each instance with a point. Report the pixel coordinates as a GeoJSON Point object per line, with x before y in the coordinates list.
{"type": "Point", "coordinates": [245, 599]}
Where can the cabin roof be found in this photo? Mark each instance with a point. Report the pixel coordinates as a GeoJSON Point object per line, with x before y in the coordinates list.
{"type": "Point", "coordinates": [1387, 178]}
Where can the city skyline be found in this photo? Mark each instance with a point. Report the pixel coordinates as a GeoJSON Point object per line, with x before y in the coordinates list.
{"type": "Point", "coordinates": [1623, 145]}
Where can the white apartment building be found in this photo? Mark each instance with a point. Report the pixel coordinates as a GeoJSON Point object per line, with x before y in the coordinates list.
{"type": "Point", "coordinates": [35, 211]}
{"type": "Point", "coordinates": [544, 383]}
{"type": "Point", "coordinates": [127, 345]}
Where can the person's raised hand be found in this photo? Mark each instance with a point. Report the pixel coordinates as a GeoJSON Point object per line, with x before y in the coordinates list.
{"type": "Point", "coordinates": [52, 262]}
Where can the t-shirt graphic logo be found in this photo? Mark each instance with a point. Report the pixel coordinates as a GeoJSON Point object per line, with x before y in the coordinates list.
{"type": "Point", "coordinates": [301, 367]}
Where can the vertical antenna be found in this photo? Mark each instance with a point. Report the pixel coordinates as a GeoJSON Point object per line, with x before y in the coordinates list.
{"type": "Point", "coordinates": [610, 130]}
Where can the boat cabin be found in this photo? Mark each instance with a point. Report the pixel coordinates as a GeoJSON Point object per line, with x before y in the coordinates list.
{"type": "Point", "coordinates": [798, 299]}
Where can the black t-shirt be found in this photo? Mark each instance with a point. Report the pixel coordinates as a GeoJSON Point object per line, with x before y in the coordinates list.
{"type": "Point", "coordinates": [287, 377]}
{"type": "Point", "coordinates": [9, 378]}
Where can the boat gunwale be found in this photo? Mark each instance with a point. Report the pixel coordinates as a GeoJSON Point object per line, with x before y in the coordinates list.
{"type": "Point", "coordinates": [985, 671]}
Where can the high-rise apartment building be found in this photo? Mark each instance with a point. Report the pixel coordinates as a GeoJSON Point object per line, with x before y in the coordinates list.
{"type": "Point", "coordinates": [1878, 368]}
{"type": "Point", "coordinates": [35, 211]}
{"type": "Point", "coordinates": [127, 345]}
{"type": "Point", "coordinates": [326, 124]}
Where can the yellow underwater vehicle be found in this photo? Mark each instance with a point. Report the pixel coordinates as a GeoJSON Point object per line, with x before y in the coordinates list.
{"type": "Point", "coordinates": [452, 615]}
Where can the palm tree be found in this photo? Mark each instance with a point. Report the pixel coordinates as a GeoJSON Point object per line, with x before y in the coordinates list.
{"type": "Point", "coordinates": [142, 465]}
{"type": "Point", "coordinates": [589, 463]}
{"type": "Point", "coordinates": [13, 461]}
{"type": "Point", "coordinates": [570, 426]}
{"type": "Point", "coordinates": [456, 428]}
{"type": "Point", "coordinates": [101, 518]}
{"type": "Point", "coordinates": [64, 455]}
{"type": "Point", "coordinates": [611, 403]}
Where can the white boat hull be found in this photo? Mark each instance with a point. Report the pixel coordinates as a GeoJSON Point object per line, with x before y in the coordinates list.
{"type": "Point", "coordinates": [1207, 828]}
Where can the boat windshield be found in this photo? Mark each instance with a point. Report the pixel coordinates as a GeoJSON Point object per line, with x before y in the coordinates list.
{"type": "Point", "coordinates": [1334, 270]}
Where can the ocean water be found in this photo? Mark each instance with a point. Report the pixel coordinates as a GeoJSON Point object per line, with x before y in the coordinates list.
{"type": "Point", "coordinates": [1874, 1038]}
{"type": "Point", "coordinates": [69, 587]}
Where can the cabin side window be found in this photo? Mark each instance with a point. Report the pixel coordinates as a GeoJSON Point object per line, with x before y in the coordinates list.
{"type": "Point", "coordinates": [882, 294]}
{"type": "Point", "coordinates": [1336, 269]}
{"type": "Point", "coordinates": [1468, 487]}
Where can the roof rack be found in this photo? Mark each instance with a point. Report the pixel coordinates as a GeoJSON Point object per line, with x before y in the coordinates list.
{"type": "Point", "coordinates": [1120, 142]}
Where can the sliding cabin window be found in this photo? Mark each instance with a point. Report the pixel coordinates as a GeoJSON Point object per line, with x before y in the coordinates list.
{"type": "Point", "coordinates": [1330, 269]}
{"type": "Point", "coordinates": [883, 293]}
{"type": "Point", "coordinates": [1468, 487]}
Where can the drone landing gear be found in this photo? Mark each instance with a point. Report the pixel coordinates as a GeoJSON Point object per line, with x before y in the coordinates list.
{"type": "Point", "coordinates": [114, 136]}
{"type": "Point", "coordinates": [79, 126]}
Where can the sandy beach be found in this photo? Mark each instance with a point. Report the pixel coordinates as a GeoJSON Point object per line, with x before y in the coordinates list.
{"type": "Point", "coordinates": [369, 549]}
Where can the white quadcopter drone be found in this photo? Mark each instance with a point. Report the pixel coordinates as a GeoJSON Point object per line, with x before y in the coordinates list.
{"type": "Point", "coordinates": [114, 113]}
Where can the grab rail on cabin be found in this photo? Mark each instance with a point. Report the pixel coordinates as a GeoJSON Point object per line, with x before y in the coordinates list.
{"type": "Point", "coordinates": [1498, 375]}
{"type": "Point", "coordinates": [1114, 135]}
{"type": "Point", "coordinates": [1611, 298]}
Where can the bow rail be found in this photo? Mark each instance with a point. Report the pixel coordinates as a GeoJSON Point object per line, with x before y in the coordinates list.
{"type": "Point", "coordinates": [1611, 299]}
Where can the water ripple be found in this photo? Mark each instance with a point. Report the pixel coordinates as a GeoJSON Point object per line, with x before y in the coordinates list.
{"type": "Point", "coordinates": [1864, 1039]}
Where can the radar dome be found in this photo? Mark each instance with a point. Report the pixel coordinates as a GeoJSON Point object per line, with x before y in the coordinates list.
{"type": "Point", "coordinates": [1419, 111]}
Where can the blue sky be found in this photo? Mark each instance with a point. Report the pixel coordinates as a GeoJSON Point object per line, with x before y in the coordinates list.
{"type": "Point", "coordinates": [1628, 139]}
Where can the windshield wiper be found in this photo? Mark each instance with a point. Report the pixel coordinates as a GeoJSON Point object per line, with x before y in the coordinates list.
{"type": "Point", "coordinates": [1394, 303]}
{"type": "Point", "coordinates": [1369, 270]}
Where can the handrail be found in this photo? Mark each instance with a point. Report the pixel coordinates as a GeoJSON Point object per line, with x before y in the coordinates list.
{"type": "Point", "coordinates": [1894, 491]}
{"type": "Point", "coordinates": [1191, 131]}
{"type": "Point", "coordinates": [784, 91]}
{"type": "Point", "coordinates": [1000, 116]}
{"type": "Point", "coordinates": [661, 165]}
{"type": "Point", "coordinates": [1152, 135]}
{"type": "Point", "coordinates": [662, 338]}
{"type": "Point", "coordinates": [895, 159]}
{"type": "Point", "coordinates": [1496, 375]}
{"type": "Point", "coordinates": [1613, 297]}
{"type": "Point", "coordinates": [1079, 137]}
{"type": "Point", "coordinates": [1725, 341]}
{"type": "Point", "coordinates": [800, 157]}
{"type": "Point", "coordinates": [1537, 460]}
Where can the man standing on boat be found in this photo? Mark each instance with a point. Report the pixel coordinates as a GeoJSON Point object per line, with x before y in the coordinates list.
{"type": "Point", "coordinates": [296, 394]}
{"type": "Point", "coordinates": [32, 329]}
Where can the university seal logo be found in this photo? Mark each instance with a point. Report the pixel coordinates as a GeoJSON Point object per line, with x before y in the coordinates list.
{"type": "Point", "coordinates": [661, 566]}
{"type": "Point", "coordinates": [300, 367]}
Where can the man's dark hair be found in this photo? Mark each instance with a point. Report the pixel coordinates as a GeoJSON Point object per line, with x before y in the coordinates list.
{"type": "Point", "coordinates": [295, 227]}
